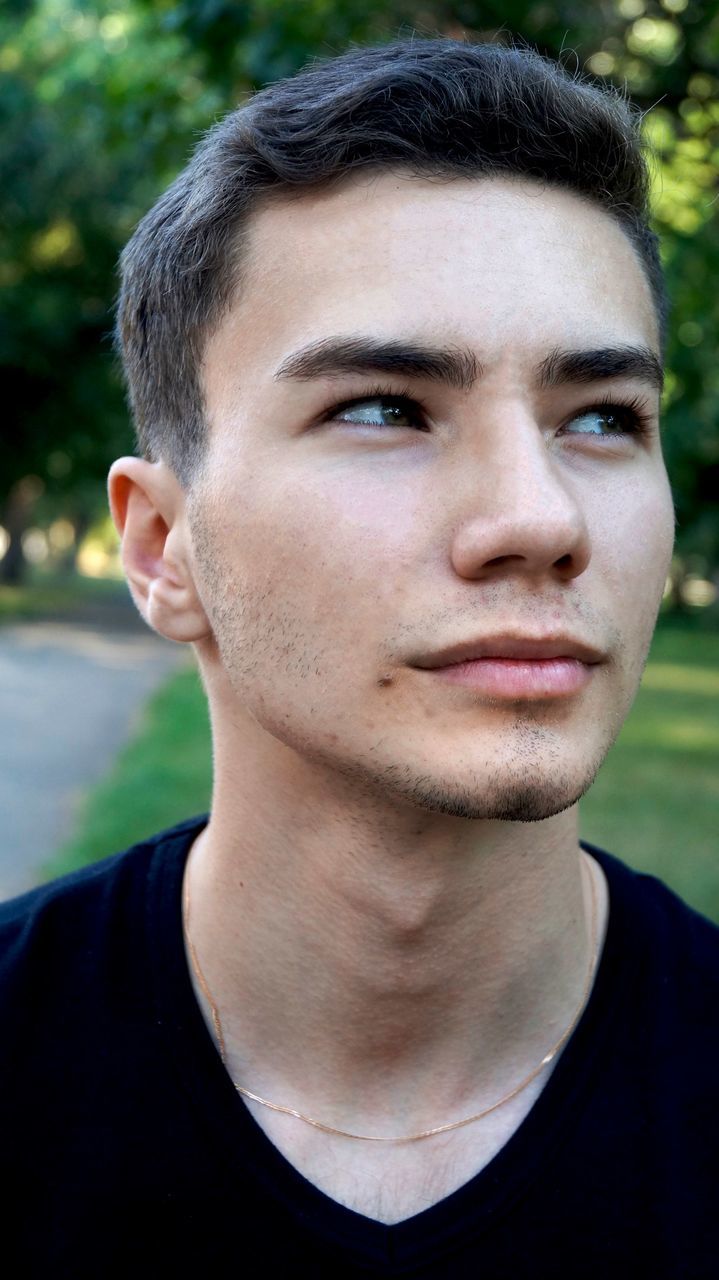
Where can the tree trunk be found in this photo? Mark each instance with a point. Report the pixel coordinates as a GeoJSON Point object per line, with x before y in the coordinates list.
{"type": "Point", "coordinates": [15, 519]}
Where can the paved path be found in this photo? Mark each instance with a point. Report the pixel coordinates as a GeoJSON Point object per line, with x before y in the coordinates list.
{"type": "Point", "coordinates": [70, 695]}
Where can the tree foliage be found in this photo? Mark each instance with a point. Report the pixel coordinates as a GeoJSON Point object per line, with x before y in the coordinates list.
{"type": "Point", "coordinates": [100, 104]}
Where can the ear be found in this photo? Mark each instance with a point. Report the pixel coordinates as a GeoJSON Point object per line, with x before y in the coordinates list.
{"type": "Point", "coordinates": [148, 507]}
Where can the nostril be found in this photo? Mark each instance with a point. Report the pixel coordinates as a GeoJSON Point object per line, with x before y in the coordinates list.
{"type": "Point", "coordinates": [501, 560]}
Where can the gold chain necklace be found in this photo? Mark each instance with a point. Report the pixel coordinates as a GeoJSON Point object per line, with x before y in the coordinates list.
{"type": "Point", "coordinates": [410, 1137]}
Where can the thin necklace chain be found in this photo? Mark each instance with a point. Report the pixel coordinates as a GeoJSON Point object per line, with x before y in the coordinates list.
{"type": "Point", "coordinates": [409, 1137]}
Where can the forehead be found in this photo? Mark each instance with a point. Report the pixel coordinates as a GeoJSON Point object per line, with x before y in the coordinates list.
{"type": "Point", "coordinates": [493, 263]}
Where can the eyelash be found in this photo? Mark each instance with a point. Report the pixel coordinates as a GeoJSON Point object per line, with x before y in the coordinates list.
{"type": "Point", "coordinates": [399, 399]}
{"type": "Point", "coordinates": [638, 421]}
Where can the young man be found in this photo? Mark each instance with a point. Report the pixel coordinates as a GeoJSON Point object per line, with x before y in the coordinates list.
{"type": "Point", "coordinates": [393, 342]}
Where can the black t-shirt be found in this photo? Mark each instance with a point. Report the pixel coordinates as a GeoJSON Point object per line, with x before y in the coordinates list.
{"type": "Point", "coordinates": [127, 1151]}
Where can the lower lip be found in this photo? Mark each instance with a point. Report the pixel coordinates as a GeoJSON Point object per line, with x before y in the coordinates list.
{"type": "Point", "coordinates": [515, 678]}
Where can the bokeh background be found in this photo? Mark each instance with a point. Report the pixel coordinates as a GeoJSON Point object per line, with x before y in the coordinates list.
{"type": "Point", "coordinates": [100, 106]}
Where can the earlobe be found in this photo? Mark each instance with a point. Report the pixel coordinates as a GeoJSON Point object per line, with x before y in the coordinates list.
{"type": "Point", "coordinates": [148, 508]}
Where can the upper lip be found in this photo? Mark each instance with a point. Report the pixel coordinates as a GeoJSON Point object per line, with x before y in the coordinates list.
{"type": "Point", "coordinates": [509, 645]}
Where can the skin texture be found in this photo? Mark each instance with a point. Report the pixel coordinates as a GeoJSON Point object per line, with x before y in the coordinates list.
{"type": "Point", "coordinates": [389, 902]}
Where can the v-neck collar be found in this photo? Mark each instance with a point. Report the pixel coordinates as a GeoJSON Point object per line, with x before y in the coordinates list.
{"type": "Point", "coordinates": [235, 1139]}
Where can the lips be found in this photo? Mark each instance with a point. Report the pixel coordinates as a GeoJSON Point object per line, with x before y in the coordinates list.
{"type": "Point", "coordinates": [514, 647]}
{"type": "Point", "coordinates": [517, 668]}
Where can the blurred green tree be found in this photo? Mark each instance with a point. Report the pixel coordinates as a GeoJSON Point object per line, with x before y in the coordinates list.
{"type": "Point", "coordinates": [100, 103]}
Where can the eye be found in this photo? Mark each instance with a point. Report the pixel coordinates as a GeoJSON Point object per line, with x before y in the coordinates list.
{"type": "Point", "coordinates": [379, 411]}
{"type": "Point", "coordinates": [609, 420]}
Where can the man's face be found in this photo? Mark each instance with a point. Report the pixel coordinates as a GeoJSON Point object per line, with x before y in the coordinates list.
{"type": "Point", "coordinates": [361, 512]}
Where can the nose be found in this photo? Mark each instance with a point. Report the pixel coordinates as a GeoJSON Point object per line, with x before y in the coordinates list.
{"type": "Point", "coordinates": [524, 512]}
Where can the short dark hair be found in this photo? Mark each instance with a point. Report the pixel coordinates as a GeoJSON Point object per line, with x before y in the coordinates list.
{"type": "Point", "coordinates": [436, 107]}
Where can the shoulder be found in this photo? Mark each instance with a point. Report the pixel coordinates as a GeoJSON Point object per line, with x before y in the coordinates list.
{"type": "Point", "coordinates": [652, 896]}
{"type": "Point", "coordinates": [672, 947]}
{"type": "Point", "coordinates": [70, 919]}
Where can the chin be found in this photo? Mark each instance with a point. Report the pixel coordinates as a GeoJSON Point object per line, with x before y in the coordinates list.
{"type": "Point", "coordinates": [528, 800]}
{"type": "Point", "coordinates": [525, 773]}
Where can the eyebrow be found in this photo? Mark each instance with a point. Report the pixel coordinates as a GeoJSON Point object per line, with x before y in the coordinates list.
{"type": "Point", "coordinates": [602, 362]}
{"type": "Point", "coordinates": [459, 367]}
{"type": "Point", "coordinates": [332, 356]}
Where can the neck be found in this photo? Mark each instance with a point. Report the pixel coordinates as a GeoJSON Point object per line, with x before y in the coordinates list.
{"type": "Point", "coordinates": [356, 951]}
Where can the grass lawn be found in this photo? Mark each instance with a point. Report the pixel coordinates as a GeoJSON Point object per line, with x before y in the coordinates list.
{"type": "Point", "coordinates": [161, 777]}
{"type": "Point", "coordinates": [57, 595]}
{"type": "Point", "coordinates": [655, 802]}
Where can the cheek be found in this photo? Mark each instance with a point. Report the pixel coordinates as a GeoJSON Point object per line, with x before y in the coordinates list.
{"type": "Point", "coordinates": [633, 546]}
{"type": "Point", "coordinates": [638, 530]}
{"type": "Point", "coordinates": [316, 562]}
{"type": "Point", "coordinates": [335, 542]}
